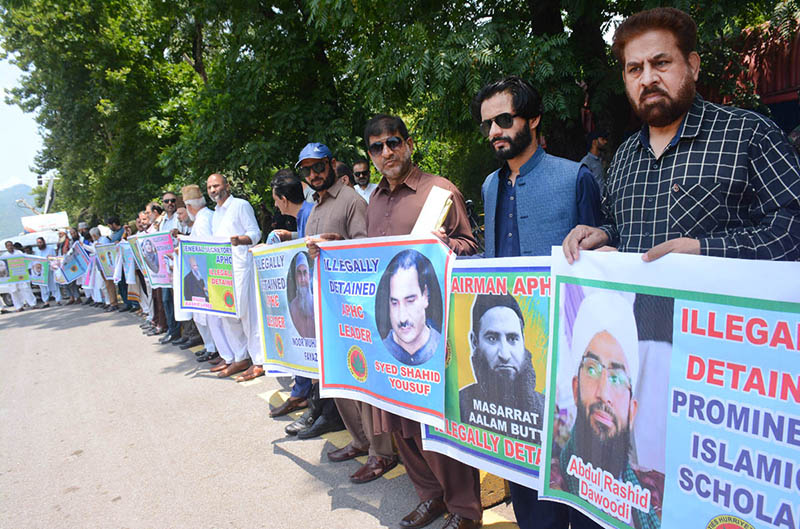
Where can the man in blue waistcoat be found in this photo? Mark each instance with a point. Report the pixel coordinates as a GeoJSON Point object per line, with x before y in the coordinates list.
{"type": "Point", "coordinates": [530, 204]}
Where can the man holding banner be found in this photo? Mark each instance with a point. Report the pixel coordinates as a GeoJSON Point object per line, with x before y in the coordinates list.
{"type": "Point", "coordinates": [201, 228]}
{"type": "Point", "coordinates": [552, 195]}
{"type": "Point", "coordinates": [442, 484]}
{"type": "Point", "coordinates": [43, 250]}
{"type": "Point", "coordinates": [21, 290]}
{"type": "Point", "coordinates": [235, 219]}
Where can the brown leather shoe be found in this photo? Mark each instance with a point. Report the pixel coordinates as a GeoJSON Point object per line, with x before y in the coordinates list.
{"type": "Point", "coordinates": [291, 404]}
{"type": "Point", "coordinates": [456, 521]}
{"type": "Point", "coordinates": [423, 514]}
{"type": "Point", "coordinates": [374, 468]}
{"type": "Point", "coordinates": [219, 367]}
{"type": "Point", "coordinates": [346, 453]}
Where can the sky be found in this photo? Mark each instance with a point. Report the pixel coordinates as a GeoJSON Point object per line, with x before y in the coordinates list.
{"type": "Point", "coordinates": [19, 136]}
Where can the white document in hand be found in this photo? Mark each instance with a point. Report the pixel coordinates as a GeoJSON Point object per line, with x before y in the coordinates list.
{"type": "Point", "coordinates": [434, 211]}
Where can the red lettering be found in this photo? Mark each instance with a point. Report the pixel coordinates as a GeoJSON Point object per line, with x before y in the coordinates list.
{"type": "Point", "coordinates": [696, 329]}
{"type": "Point", "coordinates": [757, 336]}
{"type": "Point", "coordinates": [712, 320]}
{"type": "Point", "coordinates": [737, 369]}
{"type": "Point", "coordinates": [715, 372]}
{"type": "Point", "coordinates": [695, 368]}
{"type": "Point", "coordinates": [782, 336]}
{"type": "Point", "coordinates": [733, 328]}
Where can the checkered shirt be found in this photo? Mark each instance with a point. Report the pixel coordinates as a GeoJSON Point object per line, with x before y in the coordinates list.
{"type": "Point", "coordinates": [729, 178]}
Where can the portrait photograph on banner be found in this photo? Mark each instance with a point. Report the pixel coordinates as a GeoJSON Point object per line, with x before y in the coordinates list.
{"type": "Point", "coordinates": [285, 297]}
{"type": "Point", "coordinates": [156, 253]}
{"type": "Point", "coordinates": [56, 262]}
{"type": "Point", "coordinates": [75, 264]}
{"type": "Point", "coordinates": [38, 269]}
{"type": "Point", "coordinates": [13, 269]}
{"type": "Point", "coordinates": [673, 391]}
{"type": "Point", "coordinates": [206, 277]}
{"type": "Point", "coordinates": [106, 258]}
{"type": "Point", "coordinates": [128, 261]}
{"type": "Point", "coordinates": [384, 332]}
{"type": "Point", "coordinates": [496, 366]}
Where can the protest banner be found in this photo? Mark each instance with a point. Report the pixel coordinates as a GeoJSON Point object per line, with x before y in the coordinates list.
{"type": "Point", "coordinates": [38, 269]}
{"type": "Point", "coordinates": [206, 271]}
{"type": "Point", "coordinates": [497, 340]}
{"type": "Point", "coordinates": [106, 258]}
{"type": "Point", "coordinates": [284, 293]}
{"type": "Point", "coordinates": [382, 304]}
{"type": "Point", "coordinates": [155, 251]}
{"type": "Point", "coordinates": [674, 391]}
{"type": "Point", "coordinates": [137, 256]}
{"type": "Point", "coordinates": [13, 269]}
{"type": "Point", "coordinates": [75, 263]}
{"type": "Point", "coordinates": [128, 262]}
{"type": "Point", "coordinates": [56, 263]}
{"type": "Point", "coordinates": [91, 270]}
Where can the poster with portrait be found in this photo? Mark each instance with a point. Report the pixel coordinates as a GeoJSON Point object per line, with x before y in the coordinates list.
{"type": "Point", "coordinates": [13, 269]}
{"type": "Point", "coordinates": [496, 367]}
{"type": "Point", "coordinates": [38, 269]}
{"type": "Point", "coordinates": [75, 264]}
{"type": "Point", "coordinates": [381, 323]}
{"type": "Point", "coordinates": [285, 296]}
{"type": "Point", "coordinates": [91, 270]}
{"type": "Point", "coordinates": [106, 258]}
{"type": "Point", "coordinates": [206, 271]}
{"type": "Point", "coordinates": [674, 389]}
{"type": "Point", "coordinates": [128, 262]}
{"type": "Point", "coordinates": [156, 253]}
{"type": "Point", "coordinates": [137, 257]}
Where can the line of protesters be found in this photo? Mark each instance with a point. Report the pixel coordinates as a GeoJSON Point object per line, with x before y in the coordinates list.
{"type": "Point", "coordinates": [698, 178]}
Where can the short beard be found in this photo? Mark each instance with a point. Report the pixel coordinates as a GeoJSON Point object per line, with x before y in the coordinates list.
{"type": "Point", "coordinates": [516, 145]}
{"type": "Point", "coordinates": [663, 113]}
{"type": "Point", "coordinates": [610, 454]}
{"type": "Point", "coordinates": [329, 181]}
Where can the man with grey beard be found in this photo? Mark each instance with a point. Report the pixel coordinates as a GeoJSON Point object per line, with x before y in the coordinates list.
{"type": "Point", "coordinates": [302, 306]}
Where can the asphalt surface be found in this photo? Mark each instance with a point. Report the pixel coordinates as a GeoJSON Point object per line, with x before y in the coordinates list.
{"type": "Point", "coordinates": [101, 427]}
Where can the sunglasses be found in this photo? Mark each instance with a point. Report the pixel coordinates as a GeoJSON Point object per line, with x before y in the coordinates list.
{"type": "Point", "coordinates": [361, 173]}
{"type": "Point", "coordinates": [393, 143]}
{"type": "Point", "coordinates": [318, 168]}
{"type": "Point", "coordinates": [504, 121]}
{"type": "Point", "coordinates": [170, 200]}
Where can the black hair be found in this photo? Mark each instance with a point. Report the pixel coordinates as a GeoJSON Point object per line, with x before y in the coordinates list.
{"type": "Point", "coordinates": [342, 169]}
{"type": "Point", "coordinates": [360, 161]}
{"type": "Point", "coordinates": [40, 239]}
{"type": "Point", "coordinates": [525, 99]}
{"type": "Point", "coordinates": [382, 124]}
{"type": "Point", "coordinates": [485, 302]}
{"type": "Point", "coordinates": [113, 219]}
{"type": "Point", "coordinates": [285, 184]}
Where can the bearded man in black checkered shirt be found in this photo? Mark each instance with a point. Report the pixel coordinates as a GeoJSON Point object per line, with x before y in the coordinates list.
{"type": "Point", "coordinates": [698, 178]}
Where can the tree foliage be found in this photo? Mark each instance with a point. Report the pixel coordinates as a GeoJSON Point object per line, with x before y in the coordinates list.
{"type": "Point", "coordinates": [136, 96]}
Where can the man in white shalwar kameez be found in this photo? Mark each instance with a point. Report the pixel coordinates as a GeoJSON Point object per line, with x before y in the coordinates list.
{"type": "Point", "coordinates": [235, 219]}
{"type": "Point", "coordinates": [42, 249]}
{"type": "Point", "coordinates": [20, 291]}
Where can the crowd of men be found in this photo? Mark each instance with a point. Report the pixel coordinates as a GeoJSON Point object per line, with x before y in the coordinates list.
{"type": "Point", "coordinates": [698, 178]}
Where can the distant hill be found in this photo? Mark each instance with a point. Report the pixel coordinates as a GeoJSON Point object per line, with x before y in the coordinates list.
{"type": "Point", "coordinates": [10, 213]}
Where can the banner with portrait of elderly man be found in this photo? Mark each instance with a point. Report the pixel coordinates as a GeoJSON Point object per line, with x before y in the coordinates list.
{"type": "Point", "coordinates": [106, 258]}
{"type": "Point", "coordinates": [206, 277]}
{"type": "Point", "coordinates": [381, 323]}
{"type": "Point", "coordinates": [155, 252]}
{"type": "Point", "coordinates": [56, 262]}
{"type": "Point", "coordinates": [674, 391]}
{"type": "Point", "coordinates": [38, 269]}
{"type": "Point", "coordinates": [13, 269]}
{"type": "Point", "coordinates": [285, 298]}
{"type": "Point", "coordinates": [497, 342]}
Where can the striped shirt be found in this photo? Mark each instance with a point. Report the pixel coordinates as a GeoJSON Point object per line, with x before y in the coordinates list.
{"type": "Point", "coordinates": [729, 178]}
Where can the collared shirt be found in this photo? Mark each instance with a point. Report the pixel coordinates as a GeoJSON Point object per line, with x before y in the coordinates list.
{"type": "Point", "coordinates": [729, 178]}
{"type": "Point", "coordinates": [587, 201]}
{"type": "Point", "coordinates": [420, 356]}
{"type": "Point", "coordinates": [365, 193]}
{"type": "Point", "coordinates": [236, 217]}
{"type": "Point", "coordinates": [171, 223]}
{"type": "Point", "coordinates": [338, 210]}
{"type": "Point", "coordinates": [595, 165]}
{"type": "Point", "coordinates": [395, 212]}
{"type": "Point", "coordinates": [302, 218]}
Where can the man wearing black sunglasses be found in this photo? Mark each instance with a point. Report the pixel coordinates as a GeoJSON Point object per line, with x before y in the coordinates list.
{"type": "Point", "coordinates": [530, 203]}
{"type": "Point", "coordinates": [442, 483]}
{"type": "Point", "coordinates": [361, 173]}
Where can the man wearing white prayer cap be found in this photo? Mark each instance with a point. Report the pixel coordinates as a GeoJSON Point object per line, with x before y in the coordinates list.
{"type": "Point", "coordinates": [605, 344]}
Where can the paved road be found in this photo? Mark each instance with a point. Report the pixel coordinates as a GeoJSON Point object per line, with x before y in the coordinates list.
{"type": "Point", "coordinates": [101, 427]}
